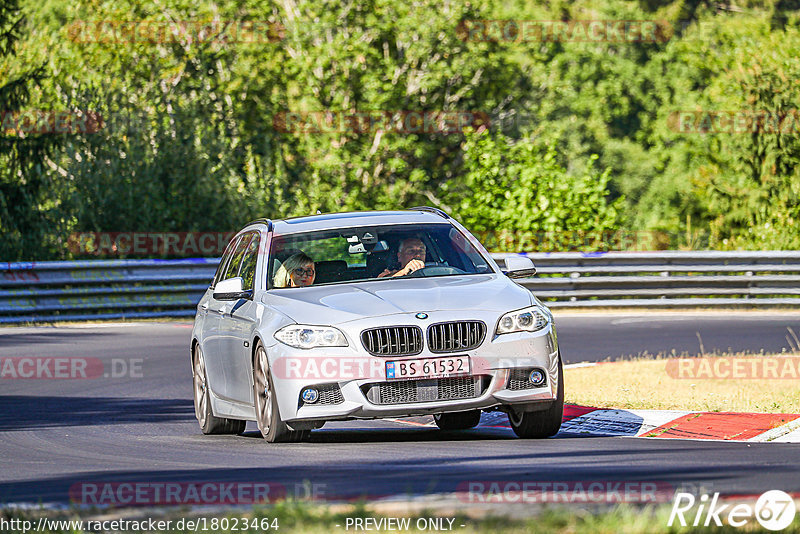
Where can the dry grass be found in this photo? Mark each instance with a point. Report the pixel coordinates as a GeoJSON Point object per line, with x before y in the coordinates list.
{"type": "Point", "coordinates": [651, 384]}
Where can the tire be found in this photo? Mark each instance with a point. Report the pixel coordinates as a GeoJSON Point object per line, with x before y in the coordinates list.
{"type": "Point", "coordinates": [542, 424]}
{"type": "Point", "coordinates": [209, 423]}
{"type": "Point", "coordinates": [458, 420]}
{"type": "Point", "coordinates": [266, 403]}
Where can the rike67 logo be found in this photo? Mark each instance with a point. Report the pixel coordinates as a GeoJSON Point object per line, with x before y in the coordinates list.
{"type": "Point", "coordinates": [774, 510]}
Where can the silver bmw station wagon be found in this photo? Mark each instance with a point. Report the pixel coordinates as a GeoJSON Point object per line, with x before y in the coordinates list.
{"type": "Point", "coordinates": [368, 315]}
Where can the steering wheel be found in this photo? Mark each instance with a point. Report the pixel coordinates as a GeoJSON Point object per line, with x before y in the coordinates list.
{"type": "Point", "coordinates": [434, 269]}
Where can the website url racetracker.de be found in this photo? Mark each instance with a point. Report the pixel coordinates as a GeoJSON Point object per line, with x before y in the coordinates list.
{"type": "Point", "coordinates": [113, 526]}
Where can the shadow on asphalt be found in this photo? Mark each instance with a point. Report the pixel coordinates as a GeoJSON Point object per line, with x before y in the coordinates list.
{"type": "Point", "coordinates": [397, 435]}
{"type": "Point", "coordinates": [21, 412]}
{"type": "Point", "coordinates": [355, 478]}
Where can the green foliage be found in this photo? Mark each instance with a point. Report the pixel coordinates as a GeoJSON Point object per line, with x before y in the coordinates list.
{"type": "Point", "coordinates": [24, 205]}
{"type": "Point", "coordinates": [189, 140]}
{"type": "Point", "coordinates": [384, 55]}
{"type": "Point", "coordinates": [581, 131]}
{"type": "Point", "coordinates": [741, 181]}
{"type": "Point", "coordinates": [756, 197]}
{"type": "Point", "coordinates": [517, 196]}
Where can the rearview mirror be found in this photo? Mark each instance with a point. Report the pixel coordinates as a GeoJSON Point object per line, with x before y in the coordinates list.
{"type": "Point", "coordinates": [519, 267]}
{"type": "Point", "coordinates": [231, 289]}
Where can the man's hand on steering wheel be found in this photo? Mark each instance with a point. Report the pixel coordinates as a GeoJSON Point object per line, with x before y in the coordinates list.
{"type": "Point", "coordinates": [411, 266]}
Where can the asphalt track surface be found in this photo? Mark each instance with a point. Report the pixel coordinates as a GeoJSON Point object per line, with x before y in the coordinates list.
{"type": "Point", "coordinates": [55, 434]}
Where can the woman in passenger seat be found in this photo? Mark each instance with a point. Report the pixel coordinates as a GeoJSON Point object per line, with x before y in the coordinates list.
{"type": "Point", "coordinates": [297, 271]}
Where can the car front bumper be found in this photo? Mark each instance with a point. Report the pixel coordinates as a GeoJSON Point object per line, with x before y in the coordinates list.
{"type": "Point", "coordinates": [348, 372]}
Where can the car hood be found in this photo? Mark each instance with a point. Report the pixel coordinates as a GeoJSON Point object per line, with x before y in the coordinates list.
{"type": "Point", "coordinates": [339, 303]}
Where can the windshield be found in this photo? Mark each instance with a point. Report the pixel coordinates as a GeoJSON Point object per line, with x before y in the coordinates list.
{"type": "Point", "coordinates": [372, 252]}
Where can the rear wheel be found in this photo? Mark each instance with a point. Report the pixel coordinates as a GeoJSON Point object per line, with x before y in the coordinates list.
{"type": "Point", "coordinates": [209, 423]}
{"type": "Point", "coordinates": [458, 420]}
{"type": "Point", "coordinates": [266, 403]}
{"type": "Point", "coordinates": [544, 423]}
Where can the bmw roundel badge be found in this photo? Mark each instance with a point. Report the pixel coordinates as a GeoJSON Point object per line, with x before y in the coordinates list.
{"type": "Point", "coordinates": [421, 315]}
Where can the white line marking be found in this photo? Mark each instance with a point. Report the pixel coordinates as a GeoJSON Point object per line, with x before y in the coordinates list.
{"type": "Point", "coordinates": [579, 365]}
{"type": "Point", "coordinates": [788, 433]}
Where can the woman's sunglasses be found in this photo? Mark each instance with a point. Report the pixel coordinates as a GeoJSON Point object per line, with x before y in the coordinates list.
{"type": "Point", "coordinates": [301, 272]}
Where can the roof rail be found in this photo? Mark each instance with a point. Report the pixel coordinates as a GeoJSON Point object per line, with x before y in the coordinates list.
{"type": "Point", "coordinates": [262, 220]}
{"type": "Point", "coordinates": [429, 209]}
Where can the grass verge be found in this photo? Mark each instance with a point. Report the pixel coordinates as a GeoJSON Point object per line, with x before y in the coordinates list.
{"type": "Point", "coordinates": [767, 383]}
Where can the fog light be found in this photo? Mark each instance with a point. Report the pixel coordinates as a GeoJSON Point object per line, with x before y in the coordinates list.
{"type": "Point", "coordinates": [310, 395]}
{"type": "Point", "coordinates": [536, 377]}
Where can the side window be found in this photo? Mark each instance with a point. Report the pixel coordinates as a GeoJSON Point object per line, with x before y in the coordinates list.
{"type": "Point", "coordinates": [233, 266]}
{"type": "Point", "coordinates": [466, 248]}
{"type": "Point", "coordinates": [248, 268]}
{"type": "Point", "coordinates": [226, 256]}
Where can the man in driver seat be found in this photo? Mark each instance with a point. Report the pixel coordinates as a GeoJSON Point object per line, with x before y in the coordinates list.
{"type": "Point", "coordinates": [410, 255]}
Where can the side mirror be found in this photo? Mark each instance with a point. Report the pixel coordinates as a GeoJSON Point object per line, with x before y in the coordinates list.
{"type": "Point", "coordinates": [231, 289]}
{"type": "Point", "coordinates": [519, 267]}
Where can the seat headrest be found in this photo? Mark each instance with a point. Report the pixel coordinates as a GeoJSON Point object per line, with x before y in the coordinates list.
{"type": "Point", "coordinates": [330, 271]}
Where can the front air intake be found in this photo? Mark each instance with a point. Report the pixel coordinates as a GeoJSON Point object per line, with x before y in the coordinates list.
{"type": "Point", "coordinates": [456, 336]}
{"type": "Point", "coordinates": [393, 340]}
{"type": "Point", "coordinates": [426, 390]}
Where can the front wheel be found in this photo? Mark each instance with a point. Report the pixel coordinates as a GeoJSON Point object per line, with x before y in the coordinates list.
{"type": "Point", "coordinates": [266, 403]}
{"type": "Point", "coordinates": [541, 424]}
{"type": "Point", "coordinates": [209, 423]}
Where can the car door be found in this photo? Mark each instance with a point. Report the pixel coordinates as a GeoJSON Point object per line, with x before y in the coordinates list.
{"type": "Point", "coordinates": [208, 335]}
{"type": "Point", "coordinates": [236, 329]}
{"type": "Point", "coordinates": [216, 345]}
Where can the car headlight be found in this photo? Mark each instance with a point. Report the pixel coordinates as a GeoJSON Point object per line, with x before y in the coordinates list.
{"type": "Point", "coordinates": [307, 337]}
{"type": "Point", "coordinates": [525, 320]}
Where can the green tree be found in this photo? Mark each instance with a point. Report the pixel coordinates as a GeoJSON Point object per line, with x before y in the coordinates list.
{"type": "Point", "coordinates": [517, 196]}
{"type": "Point", "coordinates": [752, 181]}
{"type": "Point", "coordinates": [189, 139]}
{"type": "Point", "coordinates": [204, 152]}
{"type": "Point", "coordinates": [24, 212]}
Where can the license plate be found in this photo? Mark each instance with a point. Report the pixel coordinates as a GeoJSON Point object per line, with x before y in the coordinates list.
{"type": "Point", "coordinates": [428, 368]}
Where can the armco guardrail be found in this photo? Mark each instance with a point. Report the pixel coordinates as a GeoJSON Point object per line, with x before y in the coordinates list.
{"type": "Point", "coordinates": [110, 289]}
{"type": "Point", "coordinates": [102, 289]}
{"type": "Point", "coordinates": [666, 278]}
